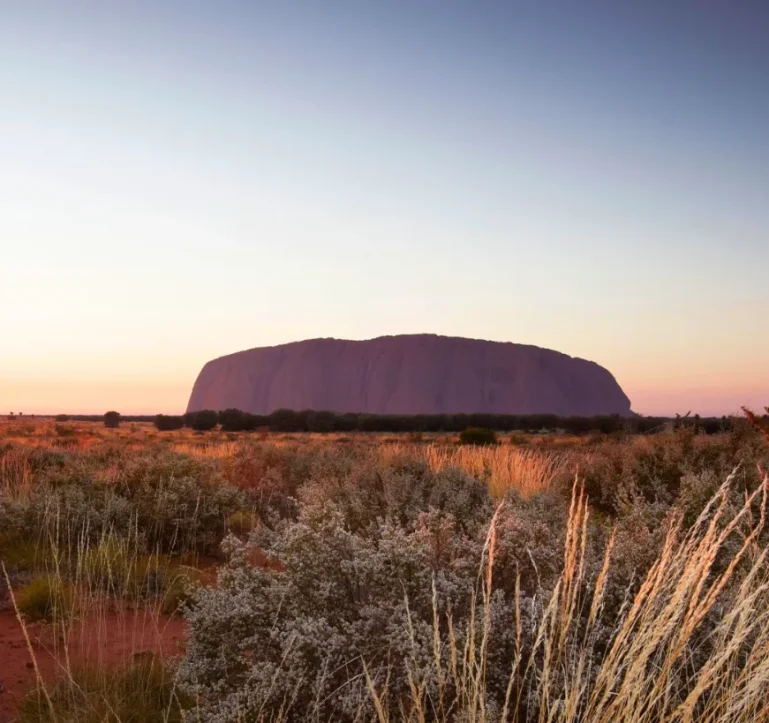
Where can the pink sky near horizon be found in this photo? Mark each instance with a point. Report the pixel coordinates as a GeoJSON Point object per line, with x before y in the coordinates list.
{"type": "Point", "coordinates": [77, 397]}
{"type": "Point", "coordinates": [154, 382]}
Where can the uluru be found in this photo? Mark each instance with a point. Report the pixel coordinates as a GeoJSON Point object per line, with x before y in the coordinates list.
{"type": "Point", "coordinates": [408, 374]}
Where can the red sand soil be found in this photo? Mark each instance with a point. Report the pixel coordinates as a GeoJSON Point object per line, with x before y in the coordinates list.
{"type": "Point", "coordinates": [101, 640]}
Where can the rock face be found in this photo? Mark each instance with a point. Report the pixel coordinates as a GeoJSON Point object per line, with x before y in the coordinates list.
{"type": "Point", "coordinates": [413, 374]}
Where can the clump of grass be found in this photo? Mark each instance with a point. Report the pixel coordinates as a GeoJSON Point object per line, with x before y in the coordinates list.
{"type": "Point", "coordinates": [65, 430]}
{"type": "Point", "coordinates": [113, 567]}
{"type": "Point", "coordinates": [15, 475]}
{"type": "Point", "coordinates": [761, 424]}
{"type": "Point", "coordinates": [503, 467]}
{"type": "Point", "coordinates": [180, 586]}
{"type": "Point", "coordinates": [46, 598]}
{"type": "Point", "coordinates": [142, 691]}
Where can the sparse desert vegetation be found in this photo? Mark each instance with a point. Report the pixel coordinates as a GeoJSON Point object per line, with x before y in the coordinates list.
{"type": "Point", "coordinates": [239, 576]}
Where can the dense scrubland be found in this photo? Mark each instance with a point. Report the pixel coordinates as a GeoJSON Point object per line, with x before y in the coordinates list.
{"type": "Point", "coordinates": [365, 577]}
{"type": "Point", "coordinates": [308, 420]}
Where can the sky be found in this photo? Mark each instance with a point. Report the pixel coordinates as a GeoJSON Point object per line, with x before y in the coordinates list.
{"type": "Point", "coordinates": [182, 180]}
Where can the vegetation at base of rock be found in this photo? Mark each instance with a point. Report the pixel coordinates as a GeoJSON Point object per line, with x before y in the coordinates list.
{"type": "Point", "coordinates": [168, 423]}
{"type": "Point", "coordinates": [289, 420]}
{"type": "Point", "coordinates": [363, 577]}
{"type": "Point", "coordinates": [112, 420]}
{"type": "Point", "coordinates": [478, 436]}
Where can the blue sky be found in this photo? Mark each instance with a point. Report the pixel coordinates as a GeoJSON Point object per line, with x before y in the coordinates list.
{"type": "Point", "coordinates": [183, 180]}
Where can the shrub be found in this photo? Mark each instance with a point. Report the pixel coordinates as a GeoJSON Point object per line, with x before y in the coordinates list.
{"type": "Point", "coordinates": [321, 421]}
{"type": "Point", "coordinates": [202, 421]}
{"type": "Point", "coordinates": [262, 637]}
{"type": "Point", "coordinates": [112, 420]}
{"type": "Point", "coordinates": [63, 430]}
{"type": "Point", "coordinates": [166, 423]}
{"type": "Point", "coordinates": [400, 492]}
{"type": "Point", "coordinates": [62, 418]}
{"type": "Point", "coordinates": [69, 507]}
{"type": "Point", "coordinates": [181, 583]}
{"type": "Point", "coordinates": [233, 420]}
{"type": "Point", "coordinates": [288, 420]}
{"type": "Point", "coordinates": [478, 436]}
{"type": "Point", "coordinates": [180, 504]}
{"type": "Point", "coordinates": [242, 522]}
{"type": "Point", "coordinates": [46, 598]}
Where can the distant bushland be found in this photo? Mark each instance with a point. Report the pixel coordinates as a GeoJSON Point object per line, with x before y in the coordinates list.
{"type": "Point", "coordinates": [478, 436]}
{"type": "Point", "coordinates": [323, 421]}
{"type": "Point", "coordinates": [234, 420]}
{"type": "Point", "coordinates": [202, 421]}
{"type": "Point", "coordinates": [167, 423]}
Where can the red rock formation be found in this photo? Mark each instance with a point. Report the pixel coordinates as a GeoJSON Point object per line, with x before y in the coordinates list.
{"type": "Point", "coordinates": [410, 374]}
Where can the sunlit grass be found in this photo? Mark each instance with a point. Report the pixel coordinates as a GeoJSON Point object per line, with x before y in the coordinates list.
{"type": "Point", "coordinates": [645, 675]}
{"type": "Point", "coordinates": [528, 471]}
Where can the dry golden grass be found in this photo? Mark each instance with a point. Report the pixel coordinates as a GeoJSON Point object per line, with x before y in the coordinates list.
{"type": "Point", "coordinates": [504, 467]}
{"type": "Point", "coordinates": [646, 675]}
{"type": "Point", "coordinates": [15, 475]}
{"type": "Point", "coordinates": [206, 450]}
{"type": "Point", "coordinates": [528, 468]}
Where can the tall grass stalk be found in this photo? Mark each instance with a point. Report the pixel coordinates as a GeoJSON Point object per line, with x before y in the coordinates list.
{"type": "Point", "coordinates": [115, 602]}
{"type": "Point", "coordinates": [691, 645]}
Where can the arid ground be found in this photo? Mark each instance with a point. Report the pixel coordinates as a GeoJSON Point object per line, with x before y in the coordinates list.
{"type": "Point", "coordinates": [218, 576]}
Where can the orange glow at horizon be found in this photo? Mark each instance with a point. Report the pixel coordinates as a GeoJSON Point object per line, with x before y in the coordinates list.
{"type": "Point", "coordinates": [170, 395]}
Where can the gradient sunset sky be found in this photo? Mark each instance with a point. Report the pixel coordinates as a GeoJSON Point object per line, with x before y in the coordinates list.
{"type": "Point", "coordinates": [182, 180]}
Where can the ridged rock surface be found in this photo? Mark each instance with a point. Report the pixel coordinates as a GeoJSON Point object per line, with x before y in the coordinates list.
{"type": "Point", "coordinates": [413, 374]}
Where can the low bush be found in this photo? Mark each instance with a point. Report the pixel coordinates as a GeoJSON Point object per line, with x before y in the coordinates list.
{"type": "Point", "coordinates": [202, 421]}
{"type": "Point", "coordinates": [180, 585]}
{"type": "Point", "coordinates": [112, 420]}
{"type": "Point", "coordinates": [64, 430]}
{"type": "Point", "coordinates": [242, 522]}
{"type": "Point", "coordinates": [167, 423]}
{"type": "Point", "coordinates": [478, 436]}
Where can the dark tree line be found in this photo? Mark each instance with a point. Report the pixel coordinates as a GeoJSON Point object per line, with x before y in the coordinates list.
{"type": "Point", "coordinates": [288, 420]}
{"type": "Point", "coordinates": [308, 420]}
